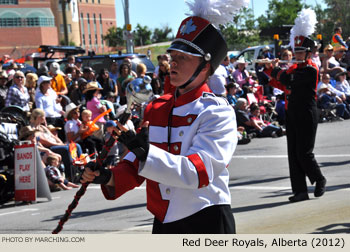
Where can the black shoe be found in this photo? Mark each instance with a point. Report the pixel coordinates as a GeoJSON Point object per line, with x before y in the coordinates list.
{"type": "Point", "coordinates": [244, 141]}
{"type": "Point", "coordinates": [299, 197]}
{"type": "Point", "coordinates": [320, 187]}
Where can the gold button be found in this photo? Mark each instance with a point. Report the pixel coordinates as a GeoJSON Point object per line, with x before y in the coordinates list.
{"type": "Point", "coordinates": [189, 120]}
{"type": "Point", "coordinates": [167, 191]}
{"type": "Point", "coordinates": [176, 148]}
{"type": "Point", "coordinates": [181, 133]}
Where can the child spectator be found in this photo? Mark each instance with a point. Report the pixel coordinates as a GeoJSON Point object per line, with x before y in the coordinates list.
{"type": "Point", "coordinates": [55, 177]}
{"type": "Point", "coordinates": [233, 93]}
{"type": "Point", "coordinates": [92, 143]}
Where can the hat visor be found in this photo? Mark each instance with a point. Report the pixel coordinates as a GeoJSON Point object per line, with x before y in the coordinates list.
{"type": "Point", "coordinates": [340, 74]}
{"type": "Point", "coordinates": [181, 47]}
{"type": "Point", "coordinates": [55, 128]}
{"type": "Point", "coordinates": [89, 89]}
{"type": "Point", "coordinates": [300, 49]}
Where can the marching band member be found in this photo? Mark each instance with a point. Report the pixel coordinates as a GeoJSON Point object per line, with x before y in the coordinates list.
{"type": "Point", "coordinates": [191, 137]}
{"type": "Point", "coordinates": [301, 116]}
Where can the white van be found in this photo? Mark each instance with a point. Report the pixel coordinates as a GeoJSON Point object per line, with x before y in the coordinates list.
{"type": "Point", "coordinates": [251, 53]}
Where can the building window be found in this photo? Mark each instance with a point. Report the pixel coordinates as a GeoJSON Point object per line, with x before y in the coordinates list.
{"type": "Point", "coordinates": [93, 1]}
{"type": "Point", "coordinates": [27, 22]}
{"type": "Point", "coordinates": [8, 2]}
{"type": "Point", "coordinates": [101, 30]}
{"type": "Point", "coordinates": [89, 29]}
{"type": "Point", "coordinates": [82, 29]}
{"type": "Point", "coordinates": [60, 5]}
{"type": "Point", "coordinates": [69, 27]}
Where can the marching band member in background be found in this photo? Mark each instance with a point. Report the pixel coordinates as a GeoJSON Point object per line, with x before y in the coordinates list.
{"type": "Point", "coordinates": [301, 117]}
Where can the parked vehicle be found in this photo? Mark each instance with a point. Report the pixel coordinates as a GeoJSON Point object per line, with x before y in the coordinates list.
{"type": "Point", "coordinates": [96, 62]}
{"type": "Point", "coordinates": [252, 53]}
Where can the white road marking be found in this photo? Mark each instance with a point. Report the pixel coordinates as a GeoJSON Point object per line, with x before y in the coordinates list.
{"type": "Point", "coordinates": [260, 187]}
{"type": "Point", "coordinates": [281, 188]}
{"type": "Point", "coordinates": [98, 187]}
{"type": "Point", "coordinates": [21, 211]}
{"type": "Point", "coordinates": [285, 156]}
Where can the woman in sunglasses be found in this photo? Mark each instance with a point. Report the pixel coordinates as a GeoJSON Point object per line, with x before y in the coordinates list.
{"type": "Point", "coordinates": [18, 94]}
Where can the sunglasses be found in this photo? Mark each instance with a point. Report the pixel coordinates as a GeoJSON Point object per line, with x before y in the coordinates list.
{"type": "Point", "coordinates": [19, 77]}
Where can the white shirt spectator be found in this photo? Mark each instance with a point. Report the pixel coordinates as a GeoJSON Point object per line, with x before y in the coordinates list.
{"type": "Point", "coordinates": [217, 81]}
{"type": "Point", "coordinates": [343, 87]}
{"type": "Point", "coordinates": [72, 126]}
{"type": "Point", "coordinates": [48, 103]}
{"type": "Point", "coordinates": [330, 88]}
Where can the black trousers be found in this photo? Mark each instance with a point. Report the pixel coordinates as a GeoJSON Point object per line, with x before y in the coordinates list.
{"type": "Point", "coordinates": [301, 126]}
{"type": "Point", "coordinates": [91, 144]}
{"type": "Point", "coordinates": [216, 219]}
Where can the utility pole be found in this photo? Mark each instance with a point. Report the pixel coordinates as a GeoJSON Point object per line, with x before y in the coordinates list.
{"type": "Point", "coordinates": [129, 46]}
{"type": "Point", "coordinates": [64, 17]}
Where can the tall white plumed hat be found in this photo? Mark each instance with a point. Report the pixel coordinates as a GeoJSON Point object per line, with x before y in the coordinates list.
{"type": "Point", "coordinates": [199, 35]}
{"type": "Point", "coordinates": [300, 33]}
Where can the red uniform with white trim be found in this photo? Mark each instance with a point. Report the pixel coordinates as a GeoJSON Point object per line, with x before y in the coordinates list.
{"type": "Point", "coordinates": [192, 140]}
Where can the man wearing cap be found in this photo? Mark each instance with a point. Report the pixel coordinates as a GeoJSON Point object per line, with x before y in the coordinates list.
{"type": "Point", "coordinates": [78, 64]}
{"type": "Point", "coordinates": [301, 117]}
{"type": "Point", "coordinates": [114, 71]}
{"type": "Point", "coordinates": [267, 53]}
{"type": "Point", "coordinates": [58, 83]}
{"type": "Point", "coordinates": [192, 137]}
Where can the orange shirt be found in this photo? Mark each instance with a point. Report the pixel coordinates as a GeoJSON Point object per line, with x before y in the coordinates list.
{"type": "Point", "coordinates": [58, 83]}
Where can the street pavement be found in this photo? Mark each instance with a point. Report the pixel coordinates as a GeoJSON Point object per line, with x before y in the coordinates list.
{"type": "Point", "coordinates": [259, 184]}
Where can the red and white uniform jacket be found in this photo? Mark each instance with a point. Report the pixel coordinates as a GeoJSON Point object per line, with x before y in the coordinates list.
{"type": "Point", "coordinates": [192, 140]}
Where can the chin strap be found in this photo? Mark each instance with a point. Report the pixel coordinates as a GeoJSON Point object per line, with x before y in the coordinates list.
{"type": "Point", "coordinates": [196, 73]}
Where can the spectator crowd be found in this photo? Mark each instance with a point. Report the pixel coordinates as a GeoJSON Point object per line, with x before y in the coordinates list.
{"type": "Point", "coordinates": [64, 106]}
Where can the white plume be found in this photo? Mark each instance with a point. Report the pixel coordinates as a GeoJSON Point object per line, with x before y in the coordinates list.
{"type": "Point", "coordinates": [216, 11]}
{"type": "Point", "coordinates": [304, 25]}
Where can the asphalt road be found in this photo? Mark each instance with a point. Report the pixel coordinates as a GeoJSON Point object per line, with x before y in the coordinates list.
{"type": "Point", "coordinates": [260, 187]}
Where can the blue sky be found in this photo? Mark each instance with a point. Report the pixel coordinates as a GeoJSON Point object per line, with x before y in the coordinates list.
{"type": "Point", "coordinates": [158, 13]}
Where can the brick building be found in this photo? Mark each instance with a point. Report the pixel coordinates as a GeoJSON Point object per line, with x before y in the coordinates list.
{"type": "Point", "coordinates": [96, 17]}
{"type": "Point", "coordinates": [26, 24]}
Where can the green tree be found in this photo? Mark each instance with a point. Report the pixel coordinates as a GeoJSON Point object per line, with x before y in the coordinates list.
{"type": "Point", "coordinates": [242, 32]}
{"type": "Point", "coordinates": [324, 26]}
{"type": "Point", "coordinates": [161, 35]}
{"type": "Point", "coordinates": [280, 12]}
{"type": "Point", "coordinates": [142, 35]}
{"type": "Point", "coordinates": [337, 14]}
{"type": "Point", "coordinates": [114, 37]}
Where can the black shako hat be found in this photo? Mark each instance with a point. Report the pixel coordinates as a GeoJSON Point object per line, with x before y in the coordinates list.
{"type": "Point", "coordinates": [302, 43]}
{"type": "Point", "coordinates": [197, 36]}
